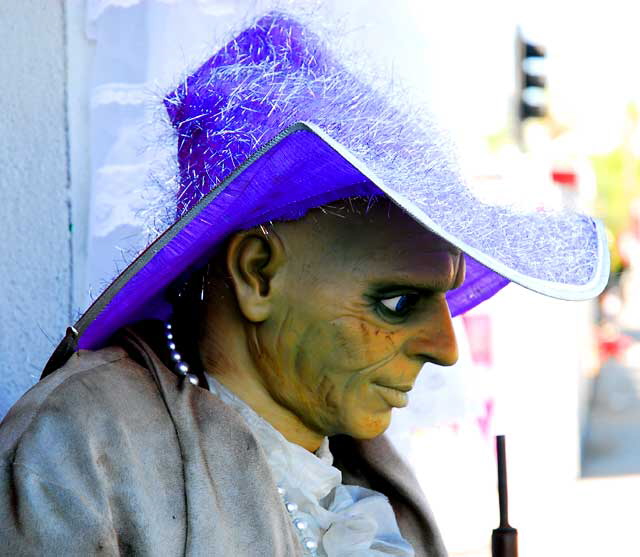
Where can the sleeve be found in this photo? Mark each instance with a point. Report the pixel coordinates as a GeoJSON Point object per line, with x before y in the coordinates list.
{"type": "Point", "coordinates": [51, 500]}
{"type": "Point", "coordinates": [87, 467]}
{"type": "Point", "coordinates": [39, 517]}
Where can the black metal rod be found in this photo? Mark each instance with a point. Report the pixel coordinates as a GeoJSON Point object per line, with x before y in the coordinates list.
{"type": "Point", "coordinates": [504, 541]}
{"type": "Point", "coordinates": [503, 495]}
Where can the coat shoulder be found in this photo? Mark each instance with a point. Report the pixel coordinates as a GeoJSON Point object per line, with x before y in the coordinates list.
{"type": "Point", "coordinates": [90, 463]}
{"type": "Point", "coordinates": [87, 398]}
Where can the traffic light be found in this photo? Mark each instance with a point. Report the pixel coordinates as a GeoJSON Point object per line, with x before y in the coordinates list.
{"type": "Point", "coordinates": [531, 79]}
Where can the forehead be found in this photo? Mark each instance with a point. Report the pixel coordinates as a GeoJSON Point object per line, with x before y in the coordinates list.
{"type": "Point", "coordinates": [383, 243]}
{"type": "Point", "coordinates": [385, 229]}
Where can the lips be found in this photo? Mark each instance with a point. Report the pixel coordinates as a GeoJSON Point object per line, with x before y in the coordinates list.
{"type": "Point", "coordinates": [394, 395]}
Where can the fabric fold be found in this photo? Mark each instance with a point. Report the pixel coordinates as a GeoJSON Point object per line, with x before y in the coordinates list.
{"type": "Point", "coordinates": [346, 521]}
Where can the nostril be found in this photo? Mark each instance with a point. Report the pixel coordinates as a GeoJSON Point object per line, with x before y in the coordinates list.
{"type": "Point", "coordinates": [440, 349]}
{"type": "Point", "coordinates": [447, 361]}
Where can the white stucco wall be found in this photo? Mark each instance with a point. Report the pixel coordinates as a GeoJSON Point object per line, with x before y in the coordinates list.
{"type": "Point", "coordinates": [36, 284]}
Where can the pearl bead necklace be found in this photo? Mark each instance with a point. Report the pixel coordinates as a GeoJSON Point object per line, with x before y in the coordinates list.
{"type": "Point", "coordinates": [309, 545]}
{"type": "Point", "coordinates": [181, 368]}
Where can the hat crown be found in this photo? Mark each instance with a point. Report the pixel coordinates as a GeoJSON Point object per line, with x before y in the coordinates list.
{"type": "Point", "coordinates": [268, 77]}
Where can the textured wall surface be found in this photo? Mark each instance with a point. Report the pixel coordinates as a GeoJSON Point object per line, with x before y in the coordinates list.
{"type": "Point", "coordinates": [35, 251]}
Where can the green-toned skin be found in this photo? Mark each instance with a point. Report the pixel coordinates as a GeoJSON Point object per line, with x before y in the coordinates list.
{"type": "Point", "coordinates": [328, 320]}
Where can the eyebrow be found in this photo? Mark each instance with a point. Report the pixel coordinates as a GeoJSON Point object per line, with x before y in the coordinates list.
{"type": "Point", "coordinates": [423, 288]}
{"type": "Point", "coordinates": [436, 284]}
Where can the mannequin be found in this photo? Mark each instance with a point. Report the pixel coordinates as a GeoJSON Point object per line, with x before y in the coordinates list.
{"type": "Point", "coordinates": [328, 320]}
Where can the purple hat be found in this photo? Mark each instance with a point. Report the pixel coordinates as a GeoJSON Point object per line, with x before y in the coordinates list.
{"type": "Point", "coordinates": [273, 125]}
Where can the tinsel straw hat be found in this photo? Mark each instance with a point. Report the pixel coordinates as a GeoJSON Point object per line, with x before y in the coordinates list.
{"type": "Point", "coordinates": [273, 125]}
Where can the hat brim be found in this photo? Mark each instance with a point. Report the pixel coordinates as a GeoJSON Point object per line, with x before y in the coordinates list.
{"type": "Point", "coordinates": [299, 169]}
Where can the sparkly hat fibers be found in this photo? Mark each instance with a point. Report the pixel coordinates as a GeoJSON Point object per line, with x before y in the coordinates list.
{"type": "Point", "coordinates": [273, 125]}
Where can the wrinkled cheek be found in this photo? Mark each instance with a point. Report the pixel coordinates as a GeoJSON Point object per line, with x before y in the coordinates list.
{"type": "Point", "coordinates": [361, 344]}
{"type": "Point", "coordinates": [304, 355]}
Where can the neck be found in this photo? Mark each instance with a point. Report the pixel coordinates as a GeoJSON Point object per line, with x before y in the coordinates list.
{"type": "Point", "coordinates": [237, 371]}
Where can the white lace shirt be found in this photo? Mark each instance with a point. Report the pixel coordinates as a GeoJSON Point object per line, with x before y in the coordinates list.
{"type": "Point", "coordinates": [331, 519]}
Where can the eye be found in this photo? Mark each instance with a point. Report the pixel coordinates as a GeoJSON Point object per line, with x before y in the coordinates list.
{"type": "Point", "coordinates": [400, 305]}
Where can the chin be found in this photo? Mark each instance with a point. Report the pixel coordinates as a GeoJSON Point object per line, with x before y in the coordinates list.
{"type": "Point", "coordinates": [369, 426]}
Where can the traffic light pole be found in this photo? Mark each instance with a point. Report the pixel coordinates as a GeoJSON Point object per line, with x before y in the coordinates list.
{"type": "Point", "coordinates": [504, 541]}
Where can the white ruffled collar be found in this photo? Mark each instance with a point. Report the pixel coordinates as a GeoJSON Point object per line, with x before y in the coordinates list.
{"type": "Point", "coordinates": [344, 521]}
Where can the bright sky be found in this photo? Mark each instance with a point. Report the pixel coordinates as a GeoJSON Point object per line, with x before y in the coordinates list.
{"type": "Point", "coordinates": [593, 58]}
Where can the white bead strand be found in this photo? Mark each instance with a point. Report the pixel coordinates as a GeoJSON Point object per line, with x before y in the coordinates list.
{"type": "Point", "coordinates": [180, 367]}
{"type": "Point", "coordinates": [309, 545]}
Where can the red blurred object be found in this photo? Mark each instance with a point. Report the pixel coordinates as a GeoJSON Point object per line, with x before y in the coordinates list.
{"type": "Point", "coordinates": [612, 345]}
{"type": "Point", "coordinates": [566, 178]}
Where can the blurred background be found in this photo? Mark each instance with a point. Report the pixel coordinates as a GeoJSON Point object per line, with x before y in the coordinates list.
{"type": "Point", "coordinates": [543, 99]}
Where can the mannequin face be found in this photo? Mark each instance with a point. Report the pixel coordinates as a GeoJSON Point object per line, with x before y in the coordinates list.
{"type": "Point", "coordinates": [348, 315]}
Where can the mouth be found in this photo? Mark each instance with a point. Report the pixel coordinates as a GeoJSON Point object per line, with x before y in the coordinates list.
{"type": "Point", "coordinates": [394, 395]}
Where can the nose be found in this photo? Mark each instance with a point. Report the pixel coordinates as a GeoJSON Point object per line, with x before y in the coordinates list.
{"type": "Point", "coordinates": [434, 340]}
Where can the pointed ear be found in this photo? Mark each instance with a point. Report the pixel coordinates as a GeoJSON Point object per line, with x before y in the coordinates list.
{"type": "Point", "coordinates": [254, 258]}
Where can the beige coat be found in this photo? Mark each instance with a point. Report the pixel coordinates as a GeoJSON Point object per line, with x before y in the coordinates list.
{"type": "Point", "coordinates": [113, 455]}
